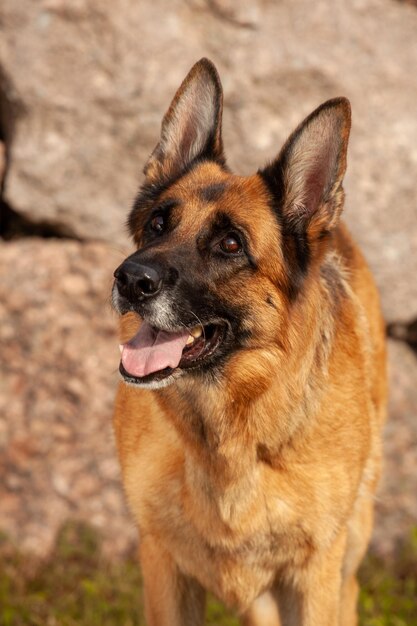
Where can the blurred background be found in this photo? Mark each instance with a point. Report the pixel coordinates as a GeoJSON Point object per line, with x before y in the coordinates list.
{"type": "Point", "coordinates": [83, 87]}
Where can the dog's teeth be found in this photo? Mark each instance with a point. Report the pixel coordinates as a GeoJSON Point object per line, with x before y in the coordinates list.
{"type": "Point", "coordinates": [196, 332]}
{"type": "Point", "coordinates": [121, 347]}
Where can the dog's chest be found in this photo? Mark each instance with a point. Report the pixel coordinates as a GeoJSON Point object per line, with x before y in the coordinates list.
{"type": "Point", "coordinates": [236, 560]}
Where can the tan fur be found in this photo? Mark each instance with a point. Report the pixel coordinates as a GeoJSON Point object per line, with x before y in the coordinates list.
{"type": "Point", "coordinates": [259, 488]}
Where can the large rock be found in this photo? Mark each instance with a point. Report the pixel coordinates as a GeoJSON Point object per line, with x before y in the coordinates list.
{"type": "Point", "coordinates": [396, 503]}
{"type": "Point", "coordinates": [58, 374]}
{"type": "Point", "coordinates": [90, 81]}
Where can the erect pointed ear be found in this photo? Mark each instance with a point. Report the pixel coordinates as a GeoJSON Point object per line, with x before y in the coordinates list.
{"type": "Point", "coordinates": [306, 178]}
{"type": "Point", "coordinates": [192, 125]}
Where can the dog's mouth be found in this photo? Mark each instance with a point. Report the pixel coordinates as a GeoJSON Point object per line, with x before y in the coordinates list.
{"type": "Point", "coordinates": [153, 355]}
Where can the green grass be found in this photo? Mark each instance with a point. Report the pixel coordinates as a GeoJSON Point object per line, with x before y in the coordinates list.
{"type": "Point", "coordinates": [77, 587]}
{"type": "Point", "coordinates": [389, 590]}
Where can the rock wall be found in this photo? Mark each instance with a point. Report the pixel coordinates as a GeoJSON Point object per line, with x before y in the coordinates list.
{"type": "Point", "coordinates": [58, 375]}
{"type": "Point", "coordinates": [83, 86]}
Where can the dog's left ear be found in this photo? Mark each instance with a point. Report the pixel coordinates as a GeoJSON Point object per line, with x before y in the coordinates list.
{"type": "Point", "coordinates": [192, 126]}
{"type": "Point", "coordinates": [306, 178]}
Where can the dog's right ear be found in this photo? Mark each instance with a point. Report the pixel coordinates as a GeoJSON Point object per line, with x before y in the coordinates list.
{"type": "Point", "coordinates": [191, 128]}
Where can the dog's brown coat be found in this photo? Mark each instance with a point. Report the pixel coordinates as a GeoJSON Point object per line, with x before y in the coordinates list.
{"type": "Point", "coordinates": [259, 486]}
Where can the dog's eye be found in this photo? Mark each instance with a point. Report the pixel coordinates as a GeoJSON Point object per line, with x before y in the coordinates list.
{"type": "Point", "coordinates": [157, 223]}
{"type": "Point", "coordinates": [231, 244]}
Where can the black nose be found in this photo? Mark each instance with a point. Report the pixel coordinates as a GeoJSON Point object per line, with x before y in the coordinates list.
{"type": "Point", "coordinates": [137, 281]}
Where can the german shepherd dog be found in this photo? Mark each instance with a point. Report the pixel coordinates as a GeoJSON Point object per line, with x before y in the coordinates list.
{"type": "Point", "coordinates": [248, 422]}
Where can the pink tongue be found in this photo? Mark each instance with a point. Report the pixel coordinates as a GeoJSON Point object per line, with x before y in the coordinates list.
{"type": "Point", "coordinates": [151, 350]}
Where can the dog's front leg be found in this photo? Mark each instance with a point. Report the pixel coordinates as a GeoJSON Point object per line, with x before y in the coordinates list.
{"type": "Point", "coordinates": [314, 596]}
{"type": "Point", "coordinates": [171, 598]}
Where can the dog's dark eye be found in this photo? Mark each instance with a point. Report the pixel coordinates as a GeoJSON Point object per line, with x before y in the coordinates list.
{"type": "Point", "coordinates": [157, 223]}
{"type": "Point", "coordinates": [231, 244]}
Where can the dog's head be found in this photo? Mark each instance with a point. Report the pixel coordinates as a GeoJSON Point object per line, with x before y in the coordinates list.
{"type": "Point", "coordinates": [222, 258]}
